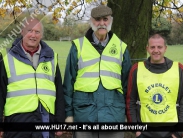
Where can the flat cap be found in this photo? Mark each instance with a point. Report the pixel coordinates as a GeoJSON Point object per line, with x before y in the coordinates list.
{"type": "Point", "coordinates": [101, 11]}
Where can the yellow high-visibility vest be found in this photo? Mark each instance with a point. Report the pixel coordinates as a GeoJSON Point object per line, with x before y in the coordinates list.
{"type": "Point", "coordinates": [93, 67]}
{"type": "Point", "coordinates": [158, 94]}
{"type": "Point", "coordinates": [26, 86]}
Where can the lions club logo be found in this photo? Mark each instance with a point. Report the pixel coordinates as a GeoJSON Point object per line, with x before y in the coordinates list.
{"type": "Point", "coordinates": [45, 68]}
{"type": "Point", "coordinates": [113, 50]}
{"type": "Point", "coordinates": [158, 98]}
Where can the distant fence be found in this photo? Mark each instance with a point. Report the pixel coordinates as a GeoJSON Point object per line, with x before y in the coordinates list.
{"type": "Point", "coordinates": [139, 59]}
{"type": "Point", "coordinates": [68, 38]}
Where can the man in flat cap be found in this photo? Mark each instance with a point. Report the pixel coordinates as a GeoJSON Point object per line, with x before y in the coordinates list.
{"type": "Point", "coordinates": [96, 73]}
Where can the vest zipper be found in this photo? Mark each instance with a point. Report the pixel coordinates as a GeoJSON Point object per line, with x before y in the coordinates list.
{"type": "Point", "coordinates": [99, 69]}
{"type": "Point", "coordinates": [35, 82]}
{"type": "Point", "coordinates": [99, 64]}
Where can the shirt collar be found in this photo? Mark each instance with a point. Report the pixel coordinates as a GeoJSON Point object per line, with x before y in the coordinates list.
{"type": "Point", "coordinates": [26, 51]}
{"type": "Point", "coordinates": [103, 43]}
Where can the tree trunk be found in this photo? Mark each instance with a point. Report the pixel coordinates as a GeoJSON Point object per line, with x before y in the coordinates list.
{"type": "Point", "coordinates": [132, 23]}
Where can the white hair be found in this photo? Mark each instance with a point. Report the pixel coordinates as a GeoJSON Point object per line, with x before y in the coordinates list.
{"type": "Point", "coordinates": [95, 28]}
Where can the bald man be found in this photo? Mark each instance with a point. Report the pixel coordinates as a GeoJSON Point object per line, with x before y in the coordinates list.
{"type": "Point", "coordinates": [30, 82]}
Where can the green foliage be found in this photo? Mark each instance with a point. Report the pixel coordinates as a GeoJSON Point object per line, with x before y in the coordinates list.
{"type": "Point", "coordinates": [7, 25]}
{"type": "Point", "coordinates": [9, 30]}
{"type": "Point", "coordinates": [171, 30]}
{"type": "Point", "coordinates": [51, 32]}
{"type": "Point", "coordinates": [73, 29]}
{"type": "Point", "coordinates": [161, 25]}
{"type": "Point", "coordinates": [176, 35]}
{"type": "Point", "coordinates": [80, 30]}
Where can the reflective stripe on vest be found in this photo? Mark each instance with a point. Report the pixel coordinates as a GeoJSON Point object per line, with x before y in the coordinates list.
{"type": "Point", "coordinates": [28, 92]}
{"type": "Point", "coordinates": [91, 65]}
{"type": "Point", "coordinates": [27, 86]}
{"type": "Point", "coordinates": [15, 77]}
{"type": "Point", "coordinates": [158, 94]}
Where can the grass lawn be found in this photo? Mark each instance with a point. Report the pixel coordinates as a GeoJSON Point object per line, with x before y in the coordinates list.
{"type": "Point", "coordinates": [174, 52]}
{"type": "Point", "coordinates": [62, 48]}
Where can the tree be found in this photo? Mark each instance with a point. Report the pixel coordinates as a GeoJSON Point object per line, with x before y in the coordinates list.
{"type": "Point", "coordinates": [161, 24]}
{"type": "Point", "coordinates": [176, 36]}
{"type": "Point", "coordinates": [71, 28]}
{"type": "Point", "coordinates": [68, 26]}
{"type": "Point", "coordinates": [132, 23]}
